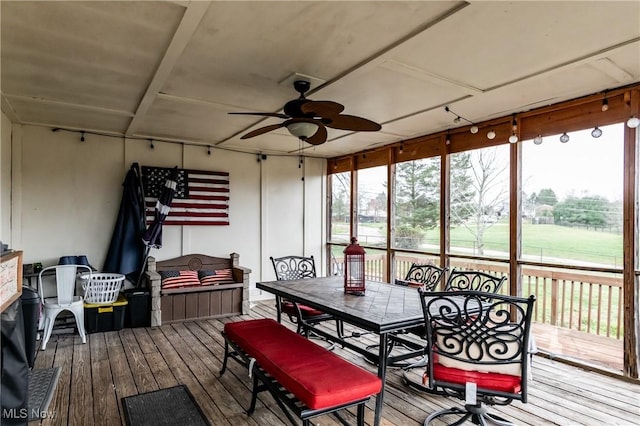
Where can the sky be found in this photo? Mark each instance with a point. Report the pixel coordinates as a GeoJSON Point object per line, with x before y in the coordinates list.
{"type": "Point", "coordinates": [584, 165]}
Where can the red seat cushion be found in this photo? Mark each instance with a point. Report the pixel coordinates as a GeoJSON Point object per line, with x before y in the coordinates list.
{"type": "Point", "coordinates": [317, 377]}
{"type": "Point", "coordinates": [493, 381]}
{"type": "Point", "coordinates": [307, 311]}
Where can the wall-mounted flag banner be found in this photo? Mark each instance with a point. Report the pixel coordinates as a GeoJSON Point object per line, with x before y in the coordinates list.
{"type": "Point", "coordinates": [201, 197]}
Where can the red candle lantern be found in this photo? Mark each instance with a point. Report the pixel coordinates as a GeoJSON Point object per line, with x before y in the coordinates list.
{"type": "Point", "coordinates": [354, 268]}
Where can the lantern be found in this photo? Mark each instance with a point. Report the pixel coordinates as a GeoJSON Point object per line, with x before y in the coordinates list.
{"type": "Point", "coordinates": [354, 268]}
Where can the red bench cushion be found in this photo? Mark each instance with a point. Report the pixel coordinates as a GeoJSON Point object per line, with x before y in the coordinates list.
{"type": "Point", "coordinates": [317, 377]}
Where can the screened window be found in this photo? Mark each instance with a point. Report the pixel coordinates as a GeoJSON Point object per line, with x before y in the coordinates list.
{"type": "Point", "coordinates": [572, 198]}
{"type": "Point", "coordinates": [340, 207]}
{"type": "Point", "coordinates": [372, 206]}
{"type": "Point", "coordinates": [479, 211]}
{"type": "Point", "coordinates": [417, 205]}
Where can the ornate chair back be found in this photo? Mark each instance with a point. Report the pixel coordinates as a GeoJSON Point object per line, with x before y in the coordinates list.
{"type": "Point", "coordinates": [477, 350]}
{"type": "Point", "coordinates": [294, 267]}
{"type": "Point", "coordinates": [475, 281]}
{"type": "Point", "coordinates": [423, 276]}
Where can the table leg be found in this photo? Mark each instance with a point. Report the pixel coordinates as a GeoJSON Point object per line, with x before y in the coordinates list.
{"type": "Point", "coordinates": [382, 372]}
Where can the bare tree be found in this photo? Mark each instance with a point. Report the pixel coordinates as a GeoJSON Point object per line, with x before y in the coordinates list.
{"type": "Point", "coordinates": [479, 196]}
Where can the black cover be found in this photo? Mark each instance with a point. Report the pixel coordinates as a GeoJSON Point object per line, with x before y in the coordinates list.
{"type": "Point", "coordinates": [31, 314]}
{"type": "Point", "coordinates": [126, 251]}
{"type": "Point", "coordinates": [14, 395]}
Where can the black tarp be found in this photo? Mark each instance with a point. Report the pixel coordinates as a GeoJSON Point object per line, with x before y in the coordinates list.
{"type": "Point", "coordinates": [126, 251]}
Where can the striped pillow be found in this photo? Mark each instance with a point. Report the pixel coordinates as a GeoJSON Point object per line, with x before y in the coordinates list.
{"type": "Point", "coordinates": [177, 279]}
{"type": "Point", "coordinates": [220, 276]}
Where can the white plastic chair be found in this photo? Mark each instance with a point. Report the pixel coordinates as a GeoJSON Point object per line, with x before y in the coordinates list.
{"type": "Point", "coordinates": [65, 299]}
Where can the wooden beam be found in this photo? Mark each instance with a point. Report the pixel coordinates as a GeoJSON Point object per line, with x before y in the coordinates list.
{"type": "Point", "coordinates": [190, 20]}
{"type": "Point", "coordinates": [630, 246]}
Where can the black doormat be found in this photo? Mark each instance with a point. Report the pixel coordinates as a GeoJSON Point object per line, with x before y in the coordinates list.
{"type": "Point", "coordinates": [42, 385]}
{"type": "Point", "coordinates": [171, 406]}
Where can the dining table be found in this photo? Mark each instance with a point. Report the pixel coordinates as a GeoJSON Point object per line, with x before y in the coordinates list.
{"type": "Point", "coordinates": [383, 309]}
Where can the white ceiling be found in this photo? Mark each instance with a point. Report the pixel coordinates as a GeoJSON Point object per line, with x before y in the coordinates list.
{"type": "Point", "coordinates": [174, 70]}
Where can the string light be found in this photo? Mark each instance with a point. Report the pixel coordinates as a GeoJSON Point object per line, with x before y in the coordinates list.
{"type": "Point", "coordinates": [597, 132]}
{"type": "Point", "coordinates": [151, 144]}
{"type": "Point", "coordinates": [208, 149]}
{"type": "Point", "coordinates": [473, 129]}
{"type": "Point", "coordinates": [401, 148]}
{"type": "Point", "coordinates": [82, 137]}
{"type": "Point", "coordinates": [633, 122]}
{"type": "Point", "coordinates": [491, 134]}
{"type": "Point", "coordinates": [537, 140]}
{"type": "Point", "coordinates": [564, 138]}
{"type": "Point", "coordinates": [514, 127]}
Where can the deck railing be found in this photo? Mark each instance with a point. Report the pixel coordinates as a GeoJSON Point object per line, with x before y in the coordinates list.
{"type": "Point", "coordinates": [589, 302]}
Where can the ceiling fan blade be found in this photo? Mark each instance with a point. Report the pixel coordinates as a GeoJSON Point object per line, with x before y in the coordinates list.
{"type": "Point", "coordinates": [322, 108]}
{"type": "Point", "coordinates": [262, 130]}
{"type": "Point", "coordinates": [351, 122]}
{"type": "Point", "coordinates": [319, 137]}
{"type": "Point", "coordinates": [262, 114]}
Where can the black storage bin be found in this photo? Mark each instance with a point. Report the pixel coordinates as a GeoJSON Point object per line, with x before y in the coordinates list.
{"type": "Point", "coordinates": [139, 307]}
{"type": "Point", "coordinates": [31, 314]}
{"type": "Point", "coordinates": [100, 318]}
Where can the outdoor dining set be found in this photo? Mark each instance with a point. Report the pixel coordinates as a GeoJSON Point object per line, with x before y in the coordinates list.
{"type": "Point", "coordinates": [452, 332]}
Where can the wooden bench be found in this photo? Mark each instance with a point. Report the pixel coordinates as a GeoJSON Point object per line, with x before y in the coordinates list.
{"type": "Point", "coordinates": [300, 374]}
{"type": "Point", "coordinates": [199, 302]}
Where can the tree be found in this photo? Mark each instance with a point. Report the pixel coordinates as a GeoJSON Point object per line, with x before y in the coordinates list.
{"type": "Point", "coordinates": [340, 187]}
{"type": "Point", "coordinates": [478, 193]}
{"type": "Point", "coordinates": [591, 210]}
{"type": "Point", "coordinates": [547, 196]}
{"type": "Point", "coordinates": [416, 201]}
{"type": "Point", "coordinates": [417, 193]}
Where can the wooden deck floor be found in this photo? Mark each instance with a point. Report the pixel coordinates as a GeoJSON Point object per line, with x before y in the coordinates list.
{"type": "Point", "coordinates": [96, 375]}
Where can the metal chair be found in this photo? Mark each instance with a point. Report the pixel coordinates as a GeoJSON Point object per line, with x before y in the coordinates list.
{"type": "Point", "coordinates": [477, 351]}
{"type": "Point", "coordinates": [64, 300]}
{"type": "Point", "coordinates": [298, 268]}
{"type": "Point", "coordinates": [461, 280]}
{"type": "Point", "coordinates": [421, 276]}
{"type": "Point", "coordinates": [425, 276]}
{"type": "Point", "coordinates": [475, 281]}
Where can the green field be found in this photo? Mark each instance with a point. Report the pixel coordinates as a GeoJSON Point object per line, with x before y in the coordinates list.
{"type": "Point", "coordinates": [550, 243]}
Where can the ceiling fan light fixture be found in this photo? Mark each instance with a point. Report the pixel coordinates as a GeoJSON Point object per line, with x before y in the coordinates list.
{"type": "Point", "coordinates": [302, 129]}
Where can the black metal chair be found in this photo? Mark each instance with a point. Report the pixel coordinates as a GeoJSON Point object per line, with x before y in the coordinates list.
{"type": "Point", "coordinates": [298, 268]}
{"type": "Point", "coordinates": [475, 281]}
{"type": "Point", "coordinates": [420, 276]}
{"type": "Point", "coordinates": [478, 345]}
{"type": "Point", "coordinates": [425, 276]}
{"type": "Point", "coordinates": [461, 280]}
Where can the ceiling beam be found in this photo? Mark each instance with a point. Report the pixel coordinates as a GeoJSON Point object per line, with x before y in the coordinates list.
{"type": "Point", "coordinates": [101, 110]}
{"type": "Point", "coordinates": [9, 111]}
{"type": "Point", "coordinates": [192, 16]}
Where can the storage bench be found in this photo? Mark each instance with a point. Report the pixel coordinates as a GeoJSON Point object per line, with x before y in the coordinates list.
{"type": "Point", "coordinates": [307, 378]}
{"type": "Point", "coordinates": [197, 302]}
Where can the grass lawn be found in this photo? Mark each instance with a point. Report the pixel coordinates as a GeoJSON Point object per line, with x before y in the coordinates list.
{"type": "Point", "coordinates": [539, 242]}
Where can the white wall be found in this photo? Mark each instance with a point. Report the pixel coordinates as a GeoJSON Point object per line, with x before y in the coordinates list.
{"type": "Point", "coordinates": [5, 180]}
{"type": "Point", "coordinates": [70, 191]}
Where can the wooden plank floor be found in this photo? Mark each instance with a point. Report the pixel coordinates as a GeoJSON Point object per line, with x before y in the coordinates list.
{"type": "Point", "coordinates": [96, 375]}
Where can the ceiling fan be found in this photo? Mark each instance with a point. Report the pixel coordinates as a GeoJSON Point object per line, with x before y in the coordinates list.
{"type": "Point", "coordinates": [308, 120]}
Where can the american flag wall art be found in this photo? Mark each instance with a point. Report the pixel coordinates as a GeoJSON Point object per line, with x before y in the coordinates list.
{"type": "Point", "coordinates": [201, 197]}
